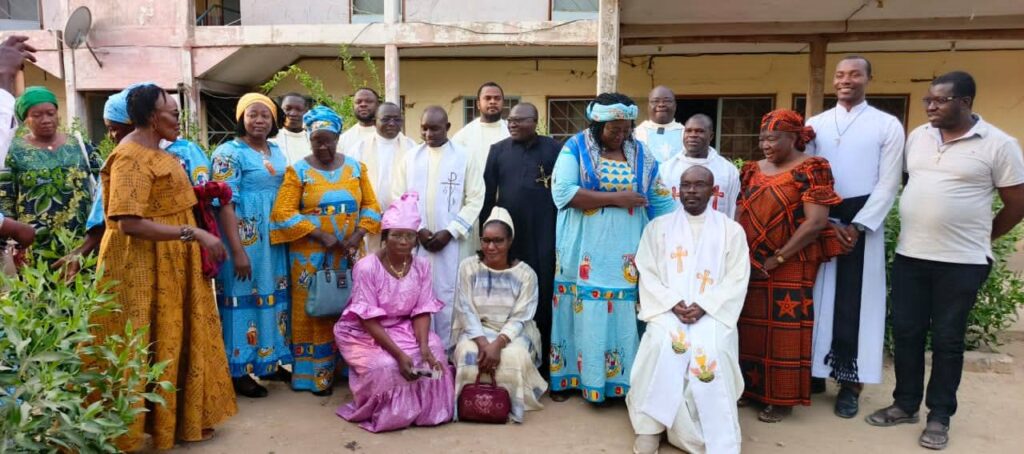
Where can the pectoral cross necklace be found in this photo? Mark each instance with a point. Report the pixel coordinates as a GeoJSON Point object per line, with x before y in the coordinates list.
{"type": "Point", "coordinates": [836, 118]}
{"type": "Point", "coordinates": [543, 178]}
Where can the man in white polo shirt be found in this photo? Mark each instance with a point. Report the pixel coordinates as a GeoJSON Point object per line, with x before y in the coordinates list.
{"type": "Point", "coordinates": [944, 253]}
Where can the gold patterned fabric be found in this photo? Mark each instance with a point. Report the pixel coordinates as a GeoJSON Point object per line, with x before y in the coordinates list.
{"type": "Point", "coordinates": [160, 284]}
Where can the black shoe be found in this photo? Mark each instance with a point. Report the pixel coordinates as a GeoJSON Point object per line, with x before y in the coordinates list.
{"type": "Point", "coordinates": [248, 387]}
{"type": "Point", "coordinates": [324, 393]}
{"type": "Point", "coordinates": [281, 375]}
{"type": "Point", "coordinates": [817, 385]}
{"type": "Point", "coordinates": [847, 403]}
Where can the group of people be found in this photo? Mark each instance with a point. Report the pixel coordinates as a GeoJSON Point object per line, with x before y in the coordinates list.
{"type": "Point", "coordinates": [634, 261]}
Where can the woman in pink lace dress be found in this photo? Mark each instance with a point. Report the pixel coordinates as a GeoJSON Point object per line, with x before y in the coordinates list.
{"type": "Point", "coordinates": [384, 334]}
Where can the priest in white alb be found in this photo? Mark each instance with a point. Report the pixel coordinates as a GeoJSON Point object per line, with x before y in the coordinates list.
{"type": "Point", "coordinates": [477, 136]}
{"type": "Point", "coordinates": [694, 267]}
{"type": "Point", "coordinates": [865, 149]}
{"type": "Point", "coordinates": [678, 147]}
{"type": "Point", "coordinates": [381, 154]}
{"type": "Point", "coordinates": [451, 189]}
{"type": "Point", "coordinates": [365, 102]}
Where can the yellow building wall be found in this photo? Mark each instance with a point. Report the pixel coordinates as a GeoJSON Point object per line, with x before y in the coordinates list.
{"type": "Point", "coordinates": [444, 82]}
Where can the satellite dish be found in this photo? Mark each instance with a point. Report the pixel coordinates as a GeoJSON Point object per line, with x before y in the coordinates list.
{"type": "Point", "coordinates": [76, 31]}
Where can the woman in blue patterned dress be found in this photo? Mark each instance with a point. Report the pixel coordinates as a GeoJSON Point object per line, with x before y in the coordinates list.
{"type": "Point", "coordinates": [254, 310]}
{"type": "Point", "coordinates": [606, 189]}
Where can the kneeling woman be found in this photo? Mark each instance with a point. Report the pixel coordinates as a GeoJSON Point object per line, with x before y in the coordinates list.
{"type": "Point", "coordinates": [494, 327]}
{"type": "Point", "coordinates": [384, 334]}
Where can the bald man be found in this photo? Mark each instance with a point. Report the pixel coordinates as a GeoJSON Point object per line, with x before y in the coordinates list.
{"type": "Point", "coordinates": [694, 266]}
{"type": "Point", "coordinates": [661, 134]}
{"type": "Point", "coordinates": [698, 132]}
{"type": "Point", "coordinates": [450, 185]}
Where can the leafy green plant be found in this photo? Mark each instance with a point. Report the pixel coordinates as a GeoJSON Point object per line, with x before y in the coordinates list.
{"type": "Point", "coordinates": [314, 86]}
{"type": "Point", "coordinates": [60, 391]}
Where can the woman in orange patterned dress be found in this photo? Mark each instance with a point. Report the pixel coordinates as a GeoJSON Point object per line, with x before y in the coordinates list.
{"type": "Point", "coordinates": [152, 251]}
{"type": "Point", "coordinates": [783, 207]}
{"type": "Point", "coordinates": [325, 206]}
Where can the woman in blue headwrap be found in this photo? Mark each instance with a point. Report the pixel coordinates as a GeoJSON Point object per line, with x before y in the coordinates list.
{"type": "Point", "coordinates": [48, 177]}
{"type": "Point", "coordinates": [325, 206]}
{"type": "Point", "coordinates": [606, 188]}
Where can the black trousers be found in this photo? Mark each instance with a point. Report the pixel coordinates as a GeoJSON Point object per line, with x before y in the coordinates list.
{"type": "Point", "coordinates": [931, 297]}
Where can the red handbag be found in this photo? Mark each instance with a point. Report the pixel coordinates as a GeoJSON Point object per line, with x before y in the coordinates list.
{"type": "Point", "coordinates": [484, 402]}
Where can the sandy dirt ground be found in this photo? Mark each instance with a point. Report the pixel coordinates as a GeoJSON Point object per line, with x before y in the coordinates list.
{"type": "Point", "coordinates": [990, 420]}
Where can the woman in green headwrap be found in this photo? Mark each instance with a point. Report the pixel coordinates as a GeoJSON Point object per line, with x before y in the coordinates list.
{"type": "Point", "coordinates": [48, 177]}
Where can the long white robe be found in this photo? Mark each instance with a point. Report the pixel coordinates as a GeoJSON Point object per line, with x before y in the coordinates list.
{"type": "Point", "coordinates": [357, 133]}
{"type": "Point", "coordinates": [443, 209]}
{"type": "Point", "coordinates": [294, 145]}
{"type": "Point", "coordinates": [476, 137]}
{"type": "Point", "coordinates": [723, 302]}
{"type": "Point", "coordinates": [865, 149]}
{"type": "Point", "coordinates": [381, 156]}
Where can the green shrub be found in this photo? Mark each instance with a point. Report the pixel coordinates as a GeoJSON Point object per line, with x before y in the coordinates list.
{"type": "Point", "coordinates": [53, 395]}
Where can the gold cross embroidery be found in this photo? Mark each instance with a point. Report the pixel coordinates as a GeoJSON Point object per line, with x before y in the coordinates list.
{"type": "Point", "coordinates": [543, 178]}
{"type": "Point", "coordinates": [705, 279]}
{"type": "Point", "coordinates": [679, 254]}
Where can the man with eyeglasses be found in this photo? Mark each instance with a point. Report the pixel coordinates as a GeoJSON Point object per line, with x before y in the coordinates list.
{"type": "Point", "coordinates": [864, 145]}
{"type": "Point", "coordinates": [661, 134]}
{"type": "Point", "coordinates": [517, 177]}
{"type": "Point", "coordinates": [955, 162]}
{"type": "Point", "coordinates": [381, 153]}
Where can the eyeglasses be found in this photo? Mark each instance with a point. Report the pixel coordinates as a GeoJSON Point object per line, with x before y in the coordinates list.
{"type": "Point", "coordinates": [519, 120]}
{"type": "Point", "coordinates": [403, 236]}
{"type": "Point", "coordinates": [486, 240]}
{"type": "Point", "coordinates": [391, 119]}
{"type": "Point", "coordinates": [938, 100]}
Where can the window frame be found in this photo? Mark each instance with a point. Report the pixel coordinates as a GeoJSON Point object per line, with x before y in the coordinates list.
{"type": "Point", "coordinates": [547, 121]}
{"type": "Point", "coordinates": [565, 15]}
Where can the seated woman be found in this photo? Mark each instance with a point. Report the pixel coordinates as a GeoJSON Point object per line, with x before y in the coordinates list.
{"type": "Point", "coordinates": [384, 334]}
{"type": "Point", "coordinates": [494, 327]}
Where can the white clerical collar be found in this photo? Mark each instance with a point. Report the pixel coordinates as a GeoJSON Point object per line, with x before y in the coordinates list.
{"type": "Point", "coordinates": [386, 140]}
{"type": "Point", "coordinates": [496, 124]}
{"type": "Point", "coordinates": [855, 110]}
{"type": "Point", "coordinates": [698, 218]}
{"type": "Point", "coordinates": [650, 124]}
{"type": "Point", "coordinates": [697, 161]}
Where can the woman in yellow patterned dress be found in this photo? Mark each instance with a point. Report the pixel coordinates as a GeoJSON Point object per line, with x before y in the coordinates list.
{"type": "Point", "coordinates": [151, 248]}
{"type": "Point", "coordinates": [325, 205]}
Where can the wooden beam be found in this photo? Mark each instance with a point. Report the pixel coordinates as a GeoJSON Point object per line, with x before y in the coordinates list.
{"type": "Point", "coordinates": [816, 78]}
{"type": "Point", "coordinates": [946, 35]}
{"type": "Point", "coordinates": [818, 27]}
{"type": "Point", "coordinates": [392, 88]}
{"type": "Point", "coordinates": [607, 46]}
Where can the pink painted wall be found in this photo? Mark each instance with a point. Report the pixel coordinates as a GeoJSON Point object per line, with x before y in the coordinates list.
{"type": "Point", "coordinates": [477, 10]}
{"type": "Point", "coordinates": [282, 12]}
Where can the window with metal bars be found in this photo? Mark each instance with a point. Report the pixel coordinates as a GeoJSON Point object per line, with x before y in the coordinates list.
{"type": "Point", "coordinates": [470, 111]}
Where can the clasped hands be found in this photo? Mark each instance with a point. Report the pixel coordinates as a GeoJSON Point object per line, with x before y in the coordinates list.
{"type": "Point", "coordinates": [433, 241]}
{"type": "Point", "coordinates": [688, 314]}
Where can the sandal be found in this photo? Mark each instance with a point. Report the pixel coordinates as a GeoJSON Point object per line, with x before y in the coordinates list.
{"type": "Point", "coordinates": [774, 413]}
{"type": "Point", "coordinates": [743, 402]}
{"type": "Point", "coordinates": [891, 416]}
{"type": "Point", "coordinates": [248, 387]}
{"type": "Point", "coordinates": [935, 436]}
{"type": "Point", "coordinates": [206, 435]}
{"type": "Point", "coordinates": [324, 392]}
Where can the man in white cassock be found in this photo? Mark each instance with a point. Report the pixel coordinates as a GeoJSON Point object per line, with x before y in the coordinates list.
{"type": "Point", "coordinates": [451, 189]}
{"type": "Point", "coordinates": [381, 154]}
{"type": "Point", "coordinates": [865, 148]}
{"type": "Point", "coordinates": [678, 147]}
{"type": "Point", "coordinates": [694, 267]}
{"type": "Point", "coordinates": [292, 139]}
{"type": "Point", "coordinates": [365, 102]}
{"type": "Point", "coordinates": [477, 136]}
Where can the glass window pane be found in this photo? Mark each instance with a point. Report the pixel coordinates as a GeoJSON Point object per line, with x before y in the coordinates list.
{"type": "Point", "coordinates": [470, 112]}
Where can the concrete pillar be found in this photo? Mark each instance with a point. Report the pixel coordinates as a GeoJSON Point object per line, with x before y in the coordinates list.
{"type": "Point", "coordinates": [816, 78]}
{"type": "Point", "coordinates": [607, 46]}
{"type": "Point", "coordinates": [75, 103]}
{"type": "Point", "coordinates": [186, 22]}
{"type": "Point", "coordinates": [392, 90]}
